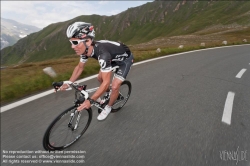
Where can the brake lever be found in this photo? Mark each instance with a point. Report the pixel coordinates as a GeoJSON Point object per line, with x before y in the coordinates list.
{"type": "Point", "coordinates": [57, 85]}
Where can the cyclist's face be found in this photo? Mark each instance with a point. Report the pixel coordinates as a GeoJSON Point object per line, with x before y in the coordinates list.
{"type": "Point", "coordinates": [77, 45]}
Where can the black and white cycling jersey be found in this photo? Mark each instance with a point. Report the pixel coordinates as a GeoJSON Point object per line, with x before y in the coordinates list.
{"type": "Point", "coordinates": [108, 53]}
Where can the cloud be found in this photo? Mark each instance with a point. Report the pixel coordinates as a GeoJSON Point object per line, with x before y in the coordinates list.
{"type": "Point", "coordinates": [114, 12]}
{"type": "Point", "coordinates": [103, 2]}
{"type": "Point", "coordinates": [43, 13]}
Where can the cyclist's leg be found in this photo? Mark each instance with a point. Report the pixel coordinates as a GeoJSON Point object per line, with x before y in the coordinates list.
{"type": "Point", "coordinates": [99, 77]}
{"type": "Point", "coordinates": [119, 77]}
{"type": "Point", "coordinates": [116, 83]}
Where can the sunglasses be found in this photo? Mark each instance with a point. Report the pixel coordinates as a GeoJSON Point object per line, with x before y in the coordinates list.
{"type": "Point", "coordinates": [76, 42]}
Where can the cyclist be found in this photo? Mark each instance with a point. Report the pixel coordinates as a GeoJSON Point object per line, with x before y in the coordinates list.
{"type": "Point", "coordinates": [108, 53]}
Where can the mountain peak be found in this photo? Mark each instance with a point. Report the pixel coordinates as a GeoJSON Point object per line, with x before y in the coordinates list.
{"type": "Point", "coordinates": [12, 31]}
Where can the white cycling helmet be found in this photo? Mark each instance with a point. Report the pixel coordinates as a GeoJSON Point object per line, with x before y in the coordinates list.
{"type": "Point", "coordinates": [80, 30]}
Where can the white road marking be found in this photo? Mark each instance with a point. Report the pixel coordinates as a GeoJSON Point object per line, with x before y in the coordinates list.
{"type": "Point", "coordinates": [239, 75]}
{"type": "Point", "coordinates": [227, 114]}
{"type": "Point", "coordinates": [21, 102]}
{"type": "Point", "coordinates": [29, 99]}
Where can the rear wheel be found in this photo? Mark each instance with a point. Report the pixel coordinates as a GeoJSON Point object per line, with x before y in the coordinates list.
{"type": "Point", "coordinates": [66, 129]}
{"type": "Point", "coordinates": [124, 94]}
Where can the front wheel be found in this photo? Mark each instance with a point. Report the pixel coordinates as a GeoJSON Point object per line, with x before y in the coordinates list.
{"type": "Point", "coordinates": [66, 129]}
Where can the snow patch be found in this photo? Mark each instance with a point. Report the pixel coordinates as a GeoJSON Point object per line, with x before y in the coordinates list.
{"type": "Point", "coordinates": [22, 36]}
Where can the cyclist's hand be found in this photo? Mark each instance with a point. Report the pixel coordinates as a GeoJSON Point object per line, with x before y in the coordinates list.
{"type": "Point", "coordinates": [85, 105]}
{"type": "Point", "coordinates": [64, 87]}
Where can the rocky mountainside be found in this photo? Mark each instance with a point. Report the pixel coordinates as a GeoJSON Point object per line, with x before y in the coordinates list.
{"type": "Point", "coordinates": [12, 31]}
{"type": "Point", "coordinates": [133, 26]}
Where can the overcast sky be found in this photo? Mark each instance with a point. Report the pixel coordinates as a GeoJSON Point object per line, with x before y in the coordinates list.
{"type": "Point", "coordinates": [43, 13]}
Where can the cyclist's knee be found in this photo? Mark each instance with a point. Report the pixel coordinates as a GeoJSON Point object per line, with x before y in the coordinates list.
{"type": "Point", "coordinates": [99, 77]}
{"type": "Point", "coordinates": [116, 85]}
{"type": "Point", "coordinates": [115, 88]}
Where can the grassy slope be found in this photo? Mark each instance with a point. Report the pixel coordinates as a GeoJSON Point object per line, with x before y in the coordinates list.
{"type": "Point", "coordinates": [52, 43]}
{"type": "Point", "coordinates": [26, 79]}
{"type": "Point", "coordinates": [152, 20]}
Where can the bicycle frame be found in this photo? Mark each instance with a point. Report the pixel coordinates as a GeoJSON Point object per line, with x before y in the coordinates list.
{"type": "Point", "coordinates": [86, 93]}
{"type": "Point", "coordinates": [78, 99]}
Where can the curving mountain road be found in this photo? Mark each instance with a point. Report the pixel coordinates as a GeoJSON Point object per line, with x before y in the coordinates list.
{"type": "Point", "coordinates": [180, 113]}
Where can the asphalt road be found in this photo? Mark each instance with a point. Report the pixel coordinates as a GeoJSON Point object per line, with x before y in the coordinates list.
{"type": "Point", "coordinates": [173, 117]}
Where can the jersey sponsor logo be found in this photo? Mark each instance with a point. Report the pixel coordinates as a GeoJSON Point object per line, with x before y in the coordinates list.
{"type": "Point", "coordinates": [121, 57]}
{"type": "Point", "coordinates": [107, 41]}
{"type": "Point", "coordinates": [102, 63]}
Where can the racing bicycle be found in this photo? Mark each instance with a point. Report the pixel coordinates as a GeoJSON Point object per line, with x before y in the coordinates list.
{"type": "Point", "coordinates": [71, 124]}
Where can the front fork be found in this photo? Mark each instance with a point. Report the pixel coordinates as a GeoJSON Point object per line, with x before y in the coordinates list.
{"type": "Point", "coordinates": [78, 113]}
{"type": "Point", "coordinates": [72, 116]}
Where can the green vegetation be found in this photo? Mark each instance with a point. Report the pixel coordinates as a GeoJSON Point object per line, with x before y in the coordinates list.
{"type": "Point", "coordinates": [155, 22]}
{"type": "Point", "coordinates": [26, 79]}
{"type": "Point", "coordinates": [134, 26]}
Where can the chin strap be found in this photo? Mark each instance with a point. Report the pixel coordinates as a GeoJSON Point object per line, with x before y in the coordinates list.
{"type": "Point", "coordinates": [87, 48]}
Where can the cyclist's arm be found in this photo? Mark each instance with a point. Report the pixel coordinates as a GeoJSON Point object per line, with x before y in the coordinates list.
{"type": "Point", "coordinates": [104, 86]}
{"type": "Point", "coordinates": [77, 71]}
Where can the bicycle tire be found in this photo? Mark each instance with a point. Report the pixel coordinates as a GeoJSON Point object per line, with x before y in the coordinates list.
{"type": "Point", "coordinates": [52, 144]}
{"type": "Point", "coordinates": [125, 95]}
